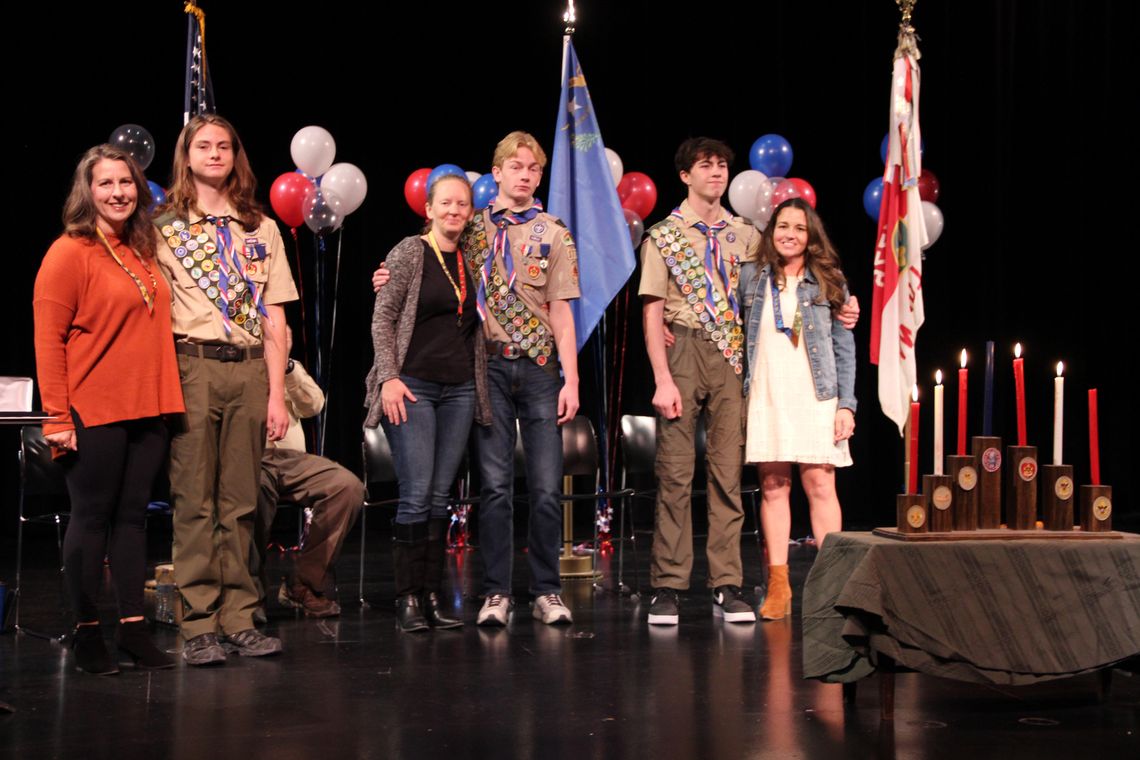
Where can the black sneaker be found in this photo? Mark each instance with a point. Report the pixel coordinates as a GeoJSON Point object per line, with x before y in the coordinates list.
{"type": "Point", "coordinates": [251, 643]}
{"type": "Point", "coordinates": [664, 609]}
{"type": "Point", "coordinates": [729, 603]}
{"type": "Point", "coordinates": [204, 650]}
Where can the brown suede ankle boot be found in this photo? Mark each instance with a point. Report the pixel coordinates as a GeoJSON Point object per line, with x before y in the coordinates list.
{"type": "Point", "coordinates": [778, 603]}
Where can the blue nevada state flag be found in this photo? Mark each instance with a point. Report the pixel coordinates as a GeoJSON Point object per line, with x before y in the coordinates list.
{"type": "Point", "coordinates": [582, 194]}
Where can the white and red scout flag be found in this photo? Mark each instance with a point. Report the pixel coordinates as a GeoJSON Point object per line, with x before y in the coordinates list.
{"type": "Point", "coordinates": [897, 312]}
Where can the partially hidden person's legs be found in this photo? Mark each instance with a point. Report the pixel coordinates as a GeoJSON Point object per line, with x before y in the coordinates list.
{"type": "Point", "coordinates": [819, 484]}
{"type": "Point", "coordinates": [776, 517]}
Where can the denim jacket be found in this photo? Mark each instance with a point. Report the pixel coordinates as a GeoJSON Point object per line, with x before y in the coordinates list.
{"type": "Point", "coordinates": [830, 345]}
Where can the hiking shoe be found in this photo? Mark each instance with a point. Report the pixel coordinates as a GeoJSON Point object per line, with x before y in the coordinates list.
{"type": "Point", "coordinates": [204, 649]}
{"type": "Point", "coordinates": [301, 597]}
{"type": "Point", "coordinates": [496, 610]}
{"type": "Point", "coordinates": [729, 603]}
{"type": "Point", "coordinates": [664, 609]}
{"type": "Point", "coordinates": [550, 609]}
{"type": "Point", "coordinates": [251, 643]}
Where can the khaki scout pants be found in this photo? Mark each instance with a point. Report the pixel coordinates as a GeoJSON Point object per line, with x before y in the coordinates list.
{"type": "Point", "coordinates": [704, 378]}
{"type": "Point", "coordinates": [335, 496]}
{"type": "Point", "coordinates": [215, 469]}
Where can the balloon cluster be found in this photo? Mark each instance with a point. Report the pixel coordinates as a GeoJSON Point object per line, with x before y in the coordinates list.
{"type": "Point", "coordinates": [637, 194]}
{"type": "Point", "coordinates": [137, 142]}
{"type": "Point", "coordinates": [483, 187]}
{"type": "Point", "coordinates": [928, 189]}
{"type": "Point", "coordinates": [319, 194]}
{"type": "Point", "coordinates": [755, 193]}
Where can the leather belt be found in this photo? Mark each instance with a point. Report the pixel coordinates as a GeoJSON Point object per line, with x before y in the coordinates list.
{"type": "Point", "coordinates": [222, 352]}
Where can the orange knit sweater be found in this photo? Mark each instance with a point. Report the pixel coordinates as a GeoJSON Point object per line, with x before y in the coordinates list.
{"type": "Point", "coordinates": [98, 349]}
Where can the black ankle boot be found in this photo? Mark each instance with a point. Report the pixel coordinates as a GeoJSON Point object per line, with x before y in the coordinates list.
{"type": "Point", "coordinates": [435, 561]}
{"type": "Point", "coordinates": [409, 615]}
{"type": "Point", "coordinates": [133, 638]}
{"type": "Point", "coordinates": [433, 612]}
{"type": "Point", "coordinates": [91, 655]}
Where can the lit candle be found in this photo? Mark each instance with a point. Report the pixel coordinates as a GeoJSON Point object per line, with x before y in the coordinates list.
{"type": "Point", "coordinates": [963, 382]}
{"type": "Point", "coordinates": [912, 478]}
{"type": "Point", "coordinates": [1019, 390]}
{"type": "Point", "coordinates": [938, 389]}
{"type": "Point", "coordinates": [1058, 412]}
{"type": "Point", "coordinates": [1094, 447]}
{"type": "Point", "coordinates": [988, 405]}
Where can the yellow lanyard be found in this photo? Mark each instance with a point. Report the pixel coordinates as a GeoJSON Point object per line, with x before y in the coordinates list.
{"type": "Point", "coordinates": [148, 298]}
{"type": "Point", "coordinates": [461, 288]}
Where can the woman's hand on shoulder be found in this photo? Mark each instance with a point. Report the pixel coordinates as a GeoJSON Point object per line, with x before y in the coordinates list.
{"type": "Point", "coordinates": [392, 395]}
{"type": "Point", "coordinates": [844, 424]}
{"type": "Point", "coordinates": [64, 441]}
{"type": "Point", "coordinates": [380, 277]}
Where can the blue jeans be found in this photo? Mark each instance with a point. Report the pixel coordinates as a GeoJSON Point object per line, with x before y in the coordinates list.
{"type": "Point", "coordinates": [428, 448]}
{"type": "Point", "coordinates": [524, 392]}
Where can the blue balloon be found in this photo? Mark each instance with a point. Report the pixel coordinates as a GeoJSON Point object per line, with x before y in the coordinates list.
{"type": "Point", "coordinates": [442, 171]}
{"type": "Point", "coordinates": [872, 198]}
{"type": "Point", "coordinates": [484, 191]}
{"type": "Point", "coordinates": [886, 140]}
{"type": "Point", "coordinates": [771, 155]}
{"type": "Point", "coordinates": [157, 194]}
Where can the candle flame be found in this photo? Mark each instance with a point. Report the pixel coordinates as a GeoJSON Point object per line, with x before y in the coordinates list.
{"type": "Point", "coordinates": [1017, 351]}
{"type": "Point", "coordinates": [938, 377]}
{"type": "Point", "coordinates": [914, 393]}
{"type": "Point", "coordinates": [1060, 368]}
{"type": "Point", "coordinates": [963, 359]}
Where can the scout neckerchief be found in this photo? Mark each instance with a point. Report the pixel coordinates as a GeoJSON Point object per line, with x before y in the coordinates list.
{"type": "Point", "coordinates": [792, 332]}
{"type": "Point", "coordinates": [714, 262]}
{"type": "Point", "coordinates": [461, 288]}
{"type": "Point", "coordinates": [495, 299]}
{"type": "Point", "coordinates": [502, 220]}
{"type": "Point", "coordinates": [147, 296]}
{"type": "Point", "coordinates": [236, 296]}
{"type": "Point", "coordinates": [718, 316]}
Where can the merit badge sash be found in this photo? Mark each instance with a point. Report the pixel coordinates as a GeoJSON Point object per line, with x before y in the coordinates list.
{"type": "Point", "coordinates": [695, 283]}
{"type": "Point", "coordinates": [497, 299]}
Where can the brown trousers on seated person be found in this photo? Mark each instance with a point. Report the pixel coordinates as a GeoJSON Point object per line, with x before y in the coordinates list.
{"type": "Point", "coordinates": [333, 493]}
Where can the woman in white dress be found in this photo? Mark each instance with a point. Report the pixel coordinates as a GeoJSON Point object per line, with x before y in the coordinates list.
{"type": "Point", "coordinates": [800, 383]}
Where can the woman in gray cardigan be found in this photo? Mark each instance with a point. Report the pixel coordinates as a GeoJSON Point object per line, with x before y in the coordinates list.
{"type": "Point", "coordinates": [428, 380]}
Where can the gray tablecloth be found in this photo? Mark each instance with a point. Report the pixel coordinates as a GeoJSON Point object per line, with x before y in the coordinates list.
{"type": "Point", "coordinates": [1001, 612]}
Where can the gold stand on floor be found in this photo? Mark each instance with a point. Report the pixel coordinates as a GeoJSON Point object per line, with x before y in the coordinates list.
{"type": "Point", "coordinates": [570, 566]}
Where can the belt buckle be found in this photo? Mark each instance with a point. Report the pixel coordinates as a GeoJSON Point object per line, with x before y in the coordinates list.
{"type": "Point", "coordinates": [511, 351]}
{"type": "Point", "coordinates": [229, 353]}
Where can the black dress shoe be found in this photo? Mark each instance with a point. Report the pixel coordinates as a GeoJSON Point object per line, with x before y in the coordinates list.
{"type": "Point", "coordinates": [133, 639]}
{"type": "Point", "coordinates": [91, 655]}
{"type": "Point", "coordinates": [433, 612]}
{"type": "Point", "coordinates": [409, 616]}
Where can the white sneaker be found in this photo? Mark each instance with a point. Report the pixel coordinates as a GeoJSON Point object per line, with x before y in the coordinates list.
{"type": "Point", "coordinates": [496, 610]}
{"type": "Point", "coordinates": [549, 609]}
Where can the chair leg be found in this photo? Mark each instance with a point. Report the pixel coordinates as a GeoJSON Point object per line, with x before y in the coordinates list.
{"type": "Point", "coordinates": [363, 545]}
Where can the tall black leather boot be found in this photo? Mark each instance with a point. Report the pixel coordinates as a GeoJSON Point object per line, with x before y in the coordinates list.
{"type": "Point", "coordinates": [409, 548]}
{"type": "Point", "coordinates": [433, 575]}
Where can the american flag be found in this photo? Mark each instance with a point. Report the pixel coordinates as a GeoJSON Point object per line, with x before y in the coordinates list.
{"type": "Point", "coordinates": [199, 89]}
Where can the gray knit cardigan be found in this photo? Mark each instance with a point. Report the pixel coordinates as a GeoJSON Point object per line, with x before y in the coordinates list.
{"type": "Point", "coordinates": [393, 320]}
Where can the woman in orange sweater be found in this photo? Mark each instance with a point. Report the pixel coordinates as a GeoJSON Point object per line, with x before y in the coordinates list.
{"type": "Point", "coordinates": [107, 373]}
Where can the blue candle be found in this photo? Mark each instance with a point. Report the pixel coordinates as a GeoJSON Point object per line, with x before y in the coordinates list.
{"type": "Point", "coordinates": [988, 408]}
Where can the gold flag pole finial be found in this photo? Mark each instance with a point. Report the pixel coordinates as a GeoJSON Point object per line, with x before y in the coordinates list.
{"type": "Point", "coordinates": [570, 17]}
{"type": "Point", "coordinates": [908, 37]}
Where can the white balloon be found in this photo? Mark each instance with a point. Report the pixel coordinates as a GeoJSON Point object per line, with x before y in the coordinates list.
{"type": "Point", "coordinates": [472, 176]}
{"type": "Point", "coordinates": [347, 182]}
{"type": "Point", "coordinates": [617, 169]}
{"type": "Point", "coordinates": [932, 217]}
{"type": "Point", "coordinates": [746, 193]}
{"type": "Point", "coordinates": [313, 150]}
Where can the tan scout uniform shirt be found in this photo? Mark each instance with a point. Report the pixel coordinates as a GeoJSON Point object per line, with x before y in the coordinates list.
{"type": "Point", "coordinates": [534, 285]}
{"type": "Point", "coordinates": [194, 317]}
{"type": "Point", "coordinates": [739, 239]}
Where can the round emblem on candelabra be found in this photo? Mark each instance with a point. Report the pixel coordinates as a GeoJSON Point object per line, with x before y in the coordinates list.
{"type": "Point", "coordinates": [916, 516]}
{"type": "Point", "coordinates": [1063, 488]}
{"type": "Point", "coordinates": [991, 459]}
{"type": "Point", "coordinates": [942, 498]}
{"type": "Point", "coordinates": [967, 478]}
{"type": "Point", "coordinates": [1102, 508]}
{"type": "Point", "coordinates": [1027, 468]}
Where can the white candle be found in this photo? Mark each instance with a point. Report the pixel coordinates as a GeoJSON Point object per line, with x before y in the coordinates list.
{"type": "Point", "coordinates": [1058, 412]}
{"type": "Point", "coordinates": [938, 422]}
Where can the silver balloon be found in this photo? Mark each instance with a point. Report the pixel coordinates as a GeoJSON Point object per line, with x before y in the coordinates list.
{"type": "Point", "coordinates": [136, 141]}
{"type": "Point", "coordinates": [324, 211]}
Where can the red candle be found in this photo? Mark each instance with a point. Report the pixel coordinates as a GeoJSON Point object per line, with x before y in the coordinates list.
{"type": "Point", "coordinates": [912, 476]}
{"type": "Point", "coordinates": [1094, 447]}
{"type": "Point", "coordinates": [1019, 387]}
{"type": "Point", "coordinates": [963, 382]}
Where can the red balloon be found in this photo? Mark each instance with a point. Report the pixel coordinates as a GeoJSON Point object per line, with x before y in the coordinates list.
{"type": "Point", "coordinates": [415, 191]}
{"type": "Point", "coordinates": [793, 187]}
{"type": "Point", "coordinates": [928, 186]}
{"type": "Point", "coordinates": [287, 196]}
{"type": "Point", "coordinates": [637, 193]}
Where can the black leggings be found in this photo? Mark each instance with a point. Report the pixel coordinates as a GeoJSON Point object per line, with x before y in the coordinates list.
{"type": "Point", "coordinates": [109, 479]}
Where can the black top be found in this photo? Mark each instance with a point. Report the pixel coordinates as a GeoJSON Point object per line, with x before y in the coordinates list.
{"type": "Point", "coordinates": [442, 346]}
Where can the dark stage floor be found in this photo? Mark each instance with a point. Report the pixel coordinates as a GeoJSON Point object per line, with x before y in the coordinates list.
{"type": "Point", "coordinates": [606, 687]}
